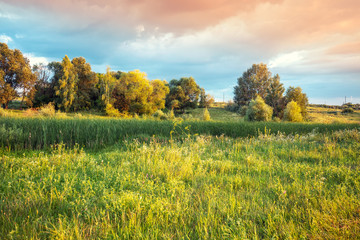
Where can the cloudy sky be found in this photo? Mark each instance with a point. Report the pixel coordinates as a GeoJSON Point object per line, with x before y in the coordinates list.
{"type": "Point", "coordinates": [314, 44]}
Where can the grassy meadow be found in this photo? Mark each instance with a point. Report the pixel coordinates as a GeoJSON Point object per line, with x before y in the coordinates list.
{"type": "Point", "coordinates": [91, 177]}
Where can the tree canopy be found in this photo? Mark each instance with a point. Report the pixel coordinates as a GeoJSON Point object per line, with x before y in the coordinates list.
{"type": "Point", "coordinates": [184, 93]}
{"type": "Point", "coordinates": [258, 81]}
{"type": "Point", "coordinates": [254, 82]}
{"type": "Point", "coordinates": [296, 95]}
{"type": "Point", "coordinates": [16, 76]}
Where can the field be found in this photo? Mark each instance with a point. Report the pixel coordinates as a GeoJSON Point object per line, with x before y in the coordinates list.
{"type": "Point", "coordinates": [101, 178]}
{"type": "Point", "coordinates": [326, 115]}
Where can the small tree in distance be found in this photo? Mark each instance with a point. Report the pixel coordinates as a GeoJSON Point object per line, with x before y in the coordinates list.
{"type": "Point", "coordinates": [293, 112]}
{"type": "Point", "coordinates": [258, 110]}
{"type": "Point", "coordinates": [206, 116]}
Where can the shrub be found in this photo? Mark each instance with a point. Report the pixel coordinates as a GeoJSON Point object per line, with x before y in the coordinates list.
{"type": "Point", "coordinates": [47, 110]}
{"type": "Point", "coordinates": [242, 111]}
{"type": "Point", "coordinates": [206, 115]}
{"type": "Point", "coordinates": [232, 107]}
{"type": "Point", "coordinates": [277, 119]}
{"type": "Point", "coordinates": [160, 115]}
{"type": "Point", "coordinates": [347, 110]}
{"type": "Point", "coordinates": [61, 115]}
{"type": "Point", "coordinates": [30, 112]}
{"type": "Point", "coordinates": [258, 110]}
{"type": "Point", "coordinates": [292, 112]}
{"type": "Point", "coordinates": [111, 111]}
{"type": "Point", "coordinates": [3, 112]}
{"type": "Point", "coordinates": [171, 114]}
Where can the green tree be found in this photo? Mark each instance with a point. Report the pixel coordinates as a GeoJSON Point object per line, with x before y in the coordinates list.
{"type": "Point", "coordinates": [16, 75]}
{"type": "Point", "coordinates": [186, 93]}
{"type": "Point", "coordinates": [292, 112]}
{"type": "Point", "coordinates": [254, 82]}
{"type": "Point", "coordinates": [296, 95]}
{"type": "Point", "coordinates": [67, 85]}
{"type": "Point", "coordinates": [258, 110]}
{"type": "Point", "coordinates": [86, 92]}
{"type": "Point", "coordinates": [275, 95]}
{"type": "Point", "coordinates": [205, 99]}
{"type": "Point", "coordinates": [44, 91]}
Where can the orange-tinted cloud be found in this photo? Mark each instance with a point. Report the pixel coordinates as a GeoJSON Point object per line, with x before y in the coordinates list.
{"type": "Point", "coordinates": [167, 15]}
{"type": "Point", "coordinates": [348, 48]}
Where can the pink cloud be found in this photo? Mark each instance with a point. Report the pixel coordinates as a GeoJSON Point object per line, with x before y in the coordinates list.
{"type": "Point", "coordinates": [169, 16]}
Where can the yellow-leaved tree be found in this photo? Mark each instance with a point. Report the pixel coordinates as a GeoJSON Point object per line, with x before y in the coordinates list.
{"type": "Point", "coordinates": [134, 93]}
{"type": "Point", "coordinates": [67, 87]}
{"type": "Point", "coordinates": [292, 112]}
{"type": "Point", "coordinates": [107, 85]}
{"type": "Point", "coordinates": [157, 97]}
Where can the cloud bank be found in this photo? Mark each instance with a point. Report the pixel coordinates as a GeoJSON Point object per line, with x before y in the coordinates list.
{"type": "Point", "coordinates": [311, 43]}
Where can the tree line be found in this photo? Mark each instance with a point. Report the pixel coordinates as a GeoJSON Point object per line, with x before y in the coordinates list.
{"type": "Point", "coordinates": [260, 96]}
{"type": "Point", "coordinates": [71, 85]}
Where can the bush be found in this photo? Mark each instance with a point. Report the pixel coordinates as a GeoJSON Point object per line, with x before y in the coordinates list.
{"type": "Point", "coordinates": [160, 115]}
{"type": "Point", "coordinates": [206, 116]}
{"type": "Point", "coordinates": [258, 110]}
{"type": "Point", "coordinates": [242, 111]}
{"type": "Point", "coordinates": [347, 110]}
{"type": "Point", "coordinates": [292, 112]}
{"type": "Point", "coordinates": [232, 107]}
{"type": "Point", "coordinates": [3, 112]}
{"type": "Point", "coordinates": [276, 119]}
{"type": "Point", "coordinates": [111, 111]}
{"type": "Point", "coordinates": [29, 112]}
{"type": "Point", "coordinates": [47, 110]}
{"type": "Point", "coordinates": [61, 115]}
{"type": "Point", "coordinates": [171, 114]}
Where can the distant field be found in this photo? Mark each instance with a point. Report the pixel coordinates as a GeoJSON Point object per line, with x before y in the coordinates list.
{"type": "Point", "coordinates": [265, 187]}
{"type": "Point", "coordinates": [326, 115]}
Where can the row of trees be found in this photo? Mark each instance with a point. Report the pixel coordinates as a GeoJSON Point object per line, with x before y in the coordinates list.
{"type": "Point", "coordinates": [72, 85]}
{"type": "Point", "coordinates": [258, 81]}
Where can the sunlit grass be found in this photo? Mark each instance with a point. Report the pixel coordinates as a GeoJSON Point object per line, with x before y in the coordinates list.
{"type": "Point", "coordinates": [327, 115]}
{"type": "Point", "coordinates": [270, 186]}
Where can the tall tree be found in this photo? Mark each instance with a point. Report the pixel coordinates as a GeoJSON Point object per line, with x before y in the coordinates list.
{"type": "Point", "coordinates": [205, 99]}
{"type": "Point", "coordinates": [107, 84]}
{"type": "Point", "coordinates": [16, 76]}
{"type": "Point", "coordinates": [86, 92]}
{"type": "Point", "coordinates": [275, 95]}
{"type": "Point", "coordinates": [67, 85]}
{"type": "Point", "coordinates": [296, 95]}
{"type": "Point", "coordinates": [254, 82]}
{"type": "Point", "coordinates": [44, 92]}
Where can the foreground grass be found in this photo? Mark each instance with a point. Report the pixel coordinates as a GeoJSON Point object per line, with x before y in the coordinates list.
{"type": "Point", "coordinates": [205, 188]}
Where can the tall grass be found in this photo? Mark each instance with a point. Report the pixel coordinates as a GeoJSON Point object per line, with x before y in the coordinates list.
{"type": "Point", "coordinates": [265, 187]}
{"type": "Point", "coordinates": [39, 133]}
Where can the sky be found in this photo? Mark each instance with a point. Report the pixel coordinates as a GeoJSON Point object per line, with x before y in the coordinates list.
{"type": "Point", "coordinates": [314, 44]}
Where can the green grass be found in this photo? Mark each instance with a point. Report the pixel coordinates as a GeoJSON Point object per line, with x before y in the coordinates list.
{"type": "Point", "coordinates": [40, 133]}
{"type": "Point", "coordinates": [265, 187]}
